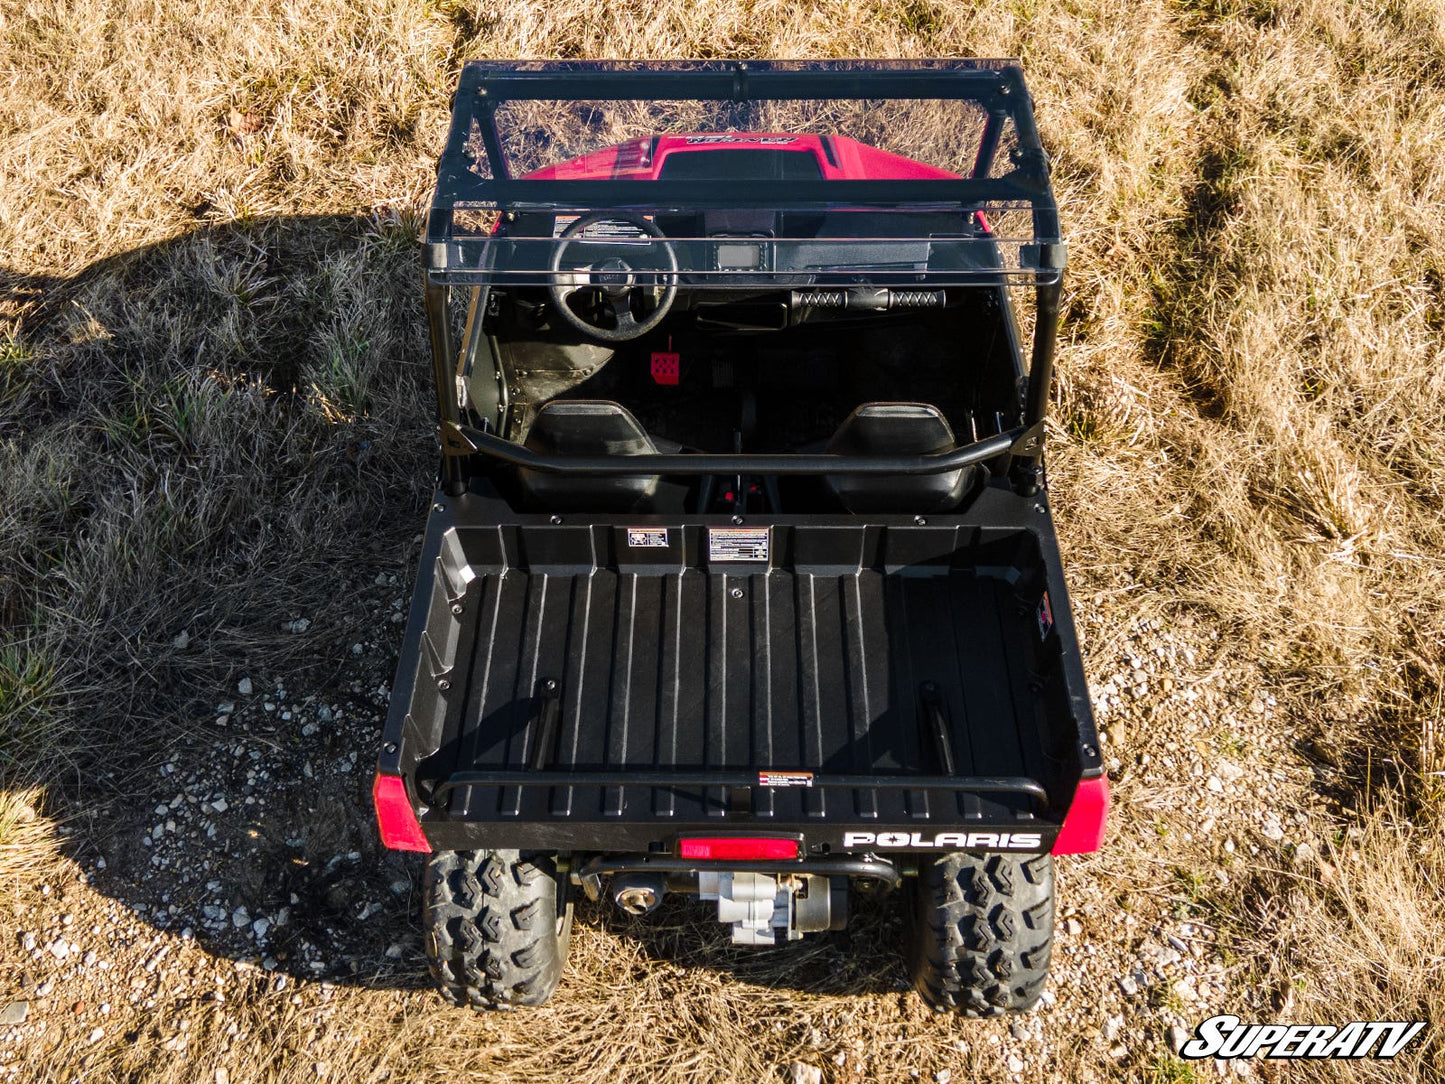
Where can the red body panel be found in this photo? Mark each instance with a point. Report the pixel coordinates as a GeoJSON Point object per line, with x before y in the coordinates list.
{"type": "Point", "coordinates": [395, 816]}
{"type": "Point", "coordinates": [839, 158]}
{"type": "Point", "coordinates": [1083, 830]}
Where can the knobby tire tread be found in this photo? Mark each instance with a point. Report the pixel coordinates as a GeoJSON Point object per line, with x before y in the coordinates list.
{"type": "Point", "coordinates": [497, 934]}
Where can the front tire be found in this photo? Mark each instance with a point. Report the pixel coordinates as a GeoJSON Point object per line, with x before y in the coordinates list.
{"type": "Point", "coordinates": [498, 925]}
{"type": "Point", "coordinates": [983, 930]}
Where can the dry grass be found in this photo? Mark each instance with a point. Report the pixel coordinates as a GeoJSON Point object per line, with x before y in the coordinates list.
{"type": "Point", "coordinates": [213, 394]}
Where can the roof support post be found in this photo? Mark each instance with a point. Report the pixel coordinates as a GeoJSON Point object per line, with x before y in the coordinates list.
{"type": "Point", "coordinates": [443, 358]}
{"type": "Point", "coordinates": [1028, 468]}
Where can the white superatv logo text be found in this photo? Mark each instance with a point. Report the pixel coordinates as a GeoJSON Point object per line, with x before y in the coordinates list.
{"type": "Point", "coordinates": [948, 841]}
{"type": "Point", "coordinates": [1226, 1037]}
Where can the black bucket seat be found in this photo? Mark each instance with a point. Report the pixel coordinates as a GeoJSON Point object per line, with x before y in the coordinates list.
{"type": "Point", "coordinates": [588, 427]}
{"type": "Point", "coordinates": [897, 429]}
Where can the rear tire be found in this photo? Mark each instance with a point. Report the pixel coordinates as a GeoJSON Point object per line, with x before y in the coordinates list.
{"type": "Point", "coordinates": [983, 930]}
{"type": "Point", "coordinates": [498, 925]}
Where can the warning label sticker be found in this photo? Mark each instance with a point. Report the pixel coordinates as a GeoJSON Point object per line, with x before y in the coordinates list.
{"type": "Point", "coordinates": [1045, 616]}
{"type": "Point", "coordinates": [737, 544]}
{"type": "Point", "coordinates": [785, 779]}
{"type": "Point", "coordinates": [646, 537]}
{"type": "Point", "coordinates": [625, 233]}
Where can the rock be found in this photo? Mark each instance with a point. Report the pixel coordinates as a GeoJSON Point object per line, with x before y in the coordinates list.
{"type": "Point", "coordinates": [299, 624]}
{"type": "Point", "coordinates": [803, 1073]}
{"type": "Point", "coordinates": [1273, 832]}
{"type": "Point", "coordinates": [1112, 1027]}
{"type": "Point", "coordinates": [1256, 706]}
{"type": "Point", "coordinates": [59, 949]}
{"type": "Point", "coordinates": [1214, 785]}
{"type": "Point", "coordinates": [14, 1013]}
{"type": "Point", "coordinates": [260, 927]}
{"type": "Point", "coordinates": [220, 805]}
{"type": "Point", "coordinates": [181, 640]}
{"type": "Point", "coordinates": [1178, 944]}
{"type": "Point", "coordinates": [1129, 986]}
{"type": "Point", "coordinates": [27, 941]}
{"type": "Point", "coordinates": [244, 686]}
{"type": "Point", "coordinates": [1015, 1064]}
{"type": "Point", "coordinates": [395, 951]}
{"type": "Point", "coordinates": [89, 958]}
{"type": "Point", "coordinates": [240, 918]}
{"type": "Point", "coordinates": [96, 1035]}
{"type": "Point", "coordinates": [1304, 853]}
{"type": "Point", "coordinates": [943, 1076]}
{"type": "Point", "coordinates": [1176, 1037]}
{"type": "Point", "coordinates": [44, 988]}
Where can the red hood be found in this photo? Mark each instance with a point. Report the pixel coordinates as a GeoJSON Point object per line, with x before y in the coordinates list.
{"type": "Point", "coordinates": [838, 157]}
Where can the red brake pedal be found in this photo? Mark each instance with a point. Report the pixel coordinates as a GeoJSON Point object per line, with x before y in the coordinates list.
{"type": "Point", "coordinates": [666, 368]}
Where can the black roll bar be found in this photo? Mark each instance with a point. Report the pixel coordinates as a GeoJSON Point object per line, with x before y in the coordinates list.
{"type": "Point", "coordinates": [464, 439]}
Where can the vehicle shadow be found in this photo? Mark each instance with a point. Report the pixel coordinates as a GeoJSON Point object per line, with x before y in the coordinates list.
{"type": "Point", "coordinates": [220, 447]}
{"type": "Point", "coordinates": [218, 452]}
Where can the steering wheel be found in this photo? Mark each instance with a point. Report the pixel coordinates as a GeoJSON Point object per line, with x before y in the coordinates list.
{"type": "Point", "coordinates": [624, 273]}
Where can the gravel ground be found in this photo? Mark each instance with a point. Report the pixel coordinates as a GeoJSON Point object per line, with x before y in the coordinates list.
{"type": "Point", "coordinates": [252, 869]}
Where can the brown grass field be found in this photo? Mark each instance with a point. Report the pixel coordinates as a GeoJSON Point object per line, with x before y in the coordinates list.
{"type": "Point", "coordinates": [214, 416]}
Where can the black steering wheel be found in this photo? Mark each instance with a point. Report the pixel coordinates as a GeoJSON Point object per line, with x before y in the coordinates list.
{"type": "Point", "coordinates": [626, 270]}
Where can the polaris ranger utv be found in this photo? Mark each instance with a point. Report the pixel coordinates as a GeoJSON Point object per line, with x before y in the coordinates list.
{"type": "Point", "coordinates": [740, 579]}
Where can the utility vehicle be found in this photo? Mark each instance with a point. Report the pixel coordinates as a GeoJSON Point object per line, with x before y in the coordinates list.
{"type": "Point", "coordinates": [740, 578]}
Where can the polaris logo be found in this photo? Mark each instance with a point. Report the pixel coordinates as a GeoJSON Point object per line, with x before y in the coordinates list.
{"type": "Point", "coordinates": [708, 140]}
{"type": "Point", "coordinates": [1226, 1037]}
{"type": "Point", "coordinates": [947, 841]}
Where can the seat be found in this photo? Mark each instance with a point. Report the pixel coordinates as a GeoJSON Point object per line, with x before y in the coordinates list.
{"type": "Point", "coordinates": [587, 427]}
{"type": "Point", "coordinates": [897, 429]}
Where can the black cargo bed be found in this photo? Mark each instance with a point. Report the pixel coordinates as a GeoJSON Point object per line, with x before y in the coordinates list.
{"type": "Point", "coordinates": [636, 691]}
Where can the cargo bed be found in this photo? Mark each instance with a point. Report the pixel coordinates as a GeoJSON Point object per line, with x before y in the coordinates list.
{"type": "Point", "coordinates": [606, 686]}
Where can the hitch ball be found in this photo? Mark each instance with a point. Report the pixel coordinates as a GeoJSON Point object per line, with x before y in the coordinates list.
{"type": "Point", "coordinates": [638, 893]}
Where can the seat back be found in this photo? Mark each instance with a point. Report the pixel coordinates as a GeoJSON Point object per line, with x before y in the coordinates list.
{"type": "Point", "coordinates": [588, 427]}
{"type": "Point", "coordinates": [897, 429]}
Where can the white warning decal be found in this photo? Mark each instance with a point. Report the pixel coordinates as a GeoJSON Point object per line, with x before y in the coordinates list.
{"type": "Point", "coordinates": [737, 544]}
{"type": "Point", "coordinates": [620, 232]}
{"type": "Point", "coordinates": [785, 779]}
{"type": "Point", "coordinates": [646, 537]}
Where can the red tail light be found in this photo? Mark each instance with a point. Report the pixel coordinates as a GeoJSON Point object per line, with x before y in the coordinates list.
{"type": "Point", "coordinates": [400, 830]}
{"type": "Point", "coordinates": [1083, 829]}
{"type": "Point", "coordinates": [732, 849]}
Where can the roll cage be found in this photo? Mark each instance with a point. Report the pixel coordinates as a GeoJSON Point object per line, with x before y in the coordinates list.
{"type": "Point", "coordinates": [479, 193]}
